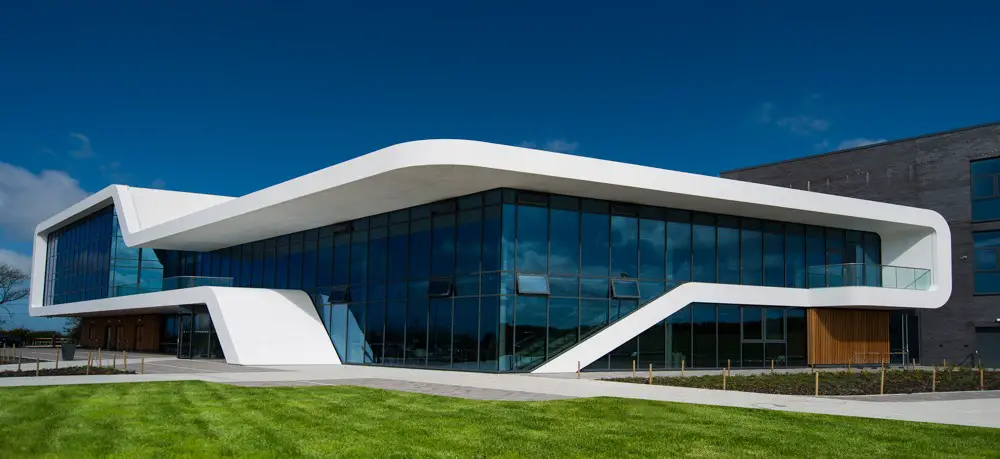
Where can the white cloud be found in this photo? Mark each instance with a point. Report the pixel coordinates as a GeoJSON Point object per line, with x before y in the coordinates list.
{"type": "Point", "coordinates": [858, 142]}
{"type": "Point", "coordinates": [557, 145]}
{"type": "Point", "coordinates": [15, 260]}
{"type": "Point", "coordinates": [158, 183]}
{"type": "Point", "coordinates": [84, 149]}
{"type": "Point", "coordinates": [764, 113]}
{"type": "Point", "coordinates": [26, 199]}
{"type": "Point", "coordinates": [803, 124]}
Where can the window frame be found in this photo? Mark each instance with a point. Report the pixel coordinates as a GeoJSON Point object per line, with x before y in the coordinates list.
{"type": "Point", "coordinates": [625, 296]}
{"type": "Point", "coordinates": [521, 290]}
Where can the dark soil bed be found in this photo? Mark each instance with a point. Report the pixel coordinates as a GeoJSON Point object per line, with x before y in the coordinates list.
{"type": "Point", "coordinates": [67, 371]}
{"type": "Point", "coordinates": [855, 382]}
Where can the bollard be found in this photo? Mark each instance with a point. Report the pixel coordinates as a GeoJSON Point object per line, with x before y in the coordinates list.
{"type": "Point", "coordinates": [142, 365]}
{"type": "Point", "coordinates": [19, 358]}
{"type": "Point", "coordinates": [729, 367]}
{"type": "Point", "coordinates": [982, 385]}
{"type": "Point", "coordinates": [881, 388]}
{"type": "Point", "coordinates": [89, 356]}
{"type": "Point", "coordinates": [934, 380]}
{"type": "Point", "coordinates": [114, 361]}
{"type": "Point", "coordinates": [577, 369]}
{"type": "Point", "coordinates": [817, 384]}
{"type": "Point", "coordinates": [772, 366]}
{"type": "Point", "coordinates": [37, 365]}
{"type": "Point", "coordinates": [945, 363]}
{"type": "Point", "coordinates": [723, 379]}
{"type": "Point", "coordinates": [100, 361]}
{"type": "Point", "coordinates": [651, 374]}
{"type": "Point", "coordinates": [125, 360]}
{"type": "Point", "coordinates": [57, 360]}
{"type": "Point", "coordinates": [682, 367]}
{"type": "Point", "coordinates": [633, 368]}
{"type": "Point", "coordinates": [913, 364]}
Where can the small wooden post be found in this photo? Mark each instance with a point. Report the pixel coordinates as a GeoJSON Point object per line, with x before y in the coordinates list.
{"type": "Point", "coordinates": [633, 368]}
{"type": "Point", "coordinates": [38, 364]}
{"type": "Point", "coordinates": [849, 366]}
{"type": "Point", "coordinates": [57, 359]}
{"type": "Point", "coordinates": [100, 361]}
{"type": "Point", "coordinates": [934, 380]}
{"type": "Point", "coordinates": [881, 389]}
{"type": "Point", "coordinates": [723, 379]}
{"type": "Point", "coordinates": [651, 374]}
{"type": "Point", "coordinates": [125, 360]}
{"type": "Point", "coordinates": [142, 365]}
{"type": "Point", "coordinates": [772, 366]}
{"type": "Point", "coordinates": [682, 367]}
{"type": "Point", "coordinates": [817, 384]}
{"type": "Point", "coordinates": [729, 367]}
{"type": "Point", "coordinates": [90, 355]}
{"type": "Point", "coordinates": [945, 364]}
{"type": "Point", "coordinates": [577, 369]}
{"type": "Point", "coordinates": [19, 358]}
{"type": "Point", "coordinates": [982, 380]}
{"type": "Point", "coordinates": [913, 364]}
{"type": "Point", "coordinates": [114, 361]}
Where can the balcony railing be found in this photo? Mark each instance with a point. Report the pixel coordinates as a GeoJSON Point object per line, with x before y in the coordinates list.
{"type": "Point", "coordinates": [868, 275]}
{"type": "Point", "coordinates": [179, 282]}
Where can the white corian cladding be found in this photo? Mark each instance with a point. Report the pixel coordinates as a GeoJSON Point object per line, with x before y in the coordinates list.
{"type": "Point", "coordinates": [419, 172]}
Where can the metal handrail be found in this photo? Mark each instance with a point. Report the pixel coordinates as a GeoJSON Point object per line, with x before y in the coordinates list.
{"type": "Point", "coordinates": [868, 275]}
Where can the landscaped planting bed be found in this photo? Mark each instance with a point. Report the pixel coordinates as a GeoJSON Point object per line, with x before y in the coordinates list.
{"type": "Point", "coordinates": [853, 382]}
{"type": "Point", "coordinates": [66, 371]}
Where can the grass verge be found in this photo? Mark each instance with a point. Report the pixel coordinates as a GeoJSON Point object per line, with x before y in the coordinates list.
{"type": "Point", "coordinates": [197, 419]}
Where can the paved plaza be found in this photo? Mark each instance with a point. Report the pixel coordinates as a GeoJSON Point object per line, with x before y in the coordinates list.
{"type": "Point", "coordinates": [965, 408]}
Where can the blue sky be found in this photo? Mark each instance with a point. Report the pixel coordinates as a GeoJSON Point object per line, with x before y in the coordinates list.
{"type": "Point", "coordinates": [230, 97]}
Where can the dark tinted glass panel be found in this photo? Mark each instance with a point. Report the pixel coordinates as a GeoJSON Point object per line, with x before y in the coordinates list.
{"type": "Point", "coordinates": [324, 262]}
{"type": "Point", "coordinates": [678, 245]}
{"type": "Point", "coordinates": [506, 343]}
{"type": "Point", "coordinates": [532, 239]}
{"type": "Point", "coordinates": [378, 251]}
{"type": "Point", "coordinates": [374, 332]}
{"type": "Point", "coordinates": [679, 337]}
{"type": "Point", "coordinates": [873, 258]}
{"type": "Point", "coordinates": [775, 325]}
{"type": "Point", "coordinates": [563, 324]}
{"type": "Point", "coordinates": [835, 257]}
{"type": "Point", "coordinates": [246, 266]}
{"type": "Point", "coordinates": [752, 326]}
{"type": "Point", "coordinates": [795, 256]}
{"type": "Point", "coordinates": [703, 324]}
{"type": "Point", "coordinates": [440, 288]}
{"type": "Point", "coordinates": [704, 242]}
{"type": "Point", "coordinates": [397, 259]}
{"type": "Point", "coordinates": [985, 262]}
{"type": "Point", "coordinates": [624, 246]}
{"type": "Point", "coordinates": [816, 256]}
{"type": "Point", "coordinates": [564, 286]}
{"type": "Point", "coordinates": [753, 354]}
{"type": "Point", "coordinates": [796, 352]}
{"type": "Point", "coordinates": [594, 288]}
{"type": "Point", "coordinates": [564, 241]}
{"type": "Point", "coordinates": [774, 254]}
{"type": "Point", "coordinates": [532, 284]}
{"type": "Point", "coordinates": [530, 331]}
{"type": "Point", "coordinates": [595, 244]}
{"type": "Point", "coordinates": [416, 330]}
{"type": "Point", "coordinates": [729, 250]}
{"type": "Point", "coordinates": [652, 347]}
{"type": "Point", "coordinates": [508, 234]}
{"type": "Point", "coordinates": [338, 328]}
{"type": "Point", "coordinates": [443, 248]}
{"type": "Point", "coordinates": [652, 249]}
{"type": "Point", "coordinates": [752, 252]}
{"type": "Point", "coordinates": [489, 321]}
{"type": "Point", "coordinates": [470, 228]}
{"type": "Point", "coordinates": [491, 238]}
{"type": "Point", "coordinates": [729, 335]}
{"type": "Point", "coordinates": [395, 330]}
{"type": "Point", "coordinates": [466, 334]}
{"type": "Point", "coordinates": [623, 356]}
{"type": "Point", "coordinates": [420, 249]}
{"type": "Point", "coordinates": [439, 333]}
{"type": "Point", "coordinates": [593, 316]}
{"type": "Point", "coordinates": [774, 353]}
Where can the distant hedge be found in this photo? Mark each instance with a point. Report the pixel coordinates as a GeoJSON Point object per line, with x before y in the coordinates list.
{"type": "Point", "coordinates": [855, 382]}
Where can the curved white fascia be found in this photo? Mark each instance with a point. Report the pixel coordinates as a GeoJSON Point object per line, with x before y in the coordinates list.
{"type": "Point", "coordinates": [255, 326]}
{"type": "Point", "coordinates": [630, 326]}
{"type": "Point", "coordinates": [419, 172]}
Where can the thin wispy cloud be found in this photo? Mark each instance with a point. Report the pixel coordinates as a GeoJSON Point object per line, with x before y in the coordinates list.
{"type": "Point", "coordinates": [764, 112]}
{"type": "Point", "coordinates": [83, 149]}
{"type": "Point", "coordinates": [556, 145]}
{"type": "Point", "coordinates": [803, 124]}
{"type": "Point", "coordinates": [858, 142]}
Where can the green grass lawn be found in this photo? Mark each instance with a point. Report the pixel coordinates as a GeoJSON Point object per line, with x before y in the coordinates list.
{"type": "Point", "coordinates": [196, 419]}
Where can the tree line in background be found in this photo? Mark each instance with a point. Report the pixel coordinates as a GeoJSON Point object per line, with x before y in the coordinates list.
{"type": "Point", "coordinates": [14, 287]}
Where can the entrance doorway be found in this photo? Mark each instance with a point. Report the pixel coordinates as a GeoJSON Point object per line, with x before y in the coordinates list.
{"type": "Point", "coordinates": [196, 335]}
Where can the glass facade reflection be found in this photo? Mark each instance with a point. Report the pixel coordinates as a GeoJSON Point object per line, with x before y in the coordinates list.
{"type": "Point", "coordinates": [88, 260]}
{"type": "Point", "coordinates": [505, 279]}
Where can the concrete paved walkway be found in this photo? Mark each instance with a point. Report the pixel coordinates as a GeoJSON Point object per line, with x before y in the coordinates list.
{"type": "Point", "coordinates": [981, 411]}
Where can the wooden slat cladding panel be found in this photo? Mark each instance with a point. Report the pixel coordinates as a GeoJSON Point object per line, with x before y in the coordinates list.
{"type": "Point", "coordinates": [837, 335]}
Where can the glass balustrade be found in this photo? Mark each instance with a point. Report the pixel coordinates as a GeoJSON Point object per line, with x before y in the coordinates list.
{"type": "Point", "coordinates": [179, 282]}
{"type": "Point", "coordinates": [868, 275]}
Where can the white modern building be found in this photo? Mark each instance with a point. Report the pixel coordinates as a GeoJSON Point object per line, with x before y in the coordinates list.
{"type": "Point", "coordinates": [465, 255]}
